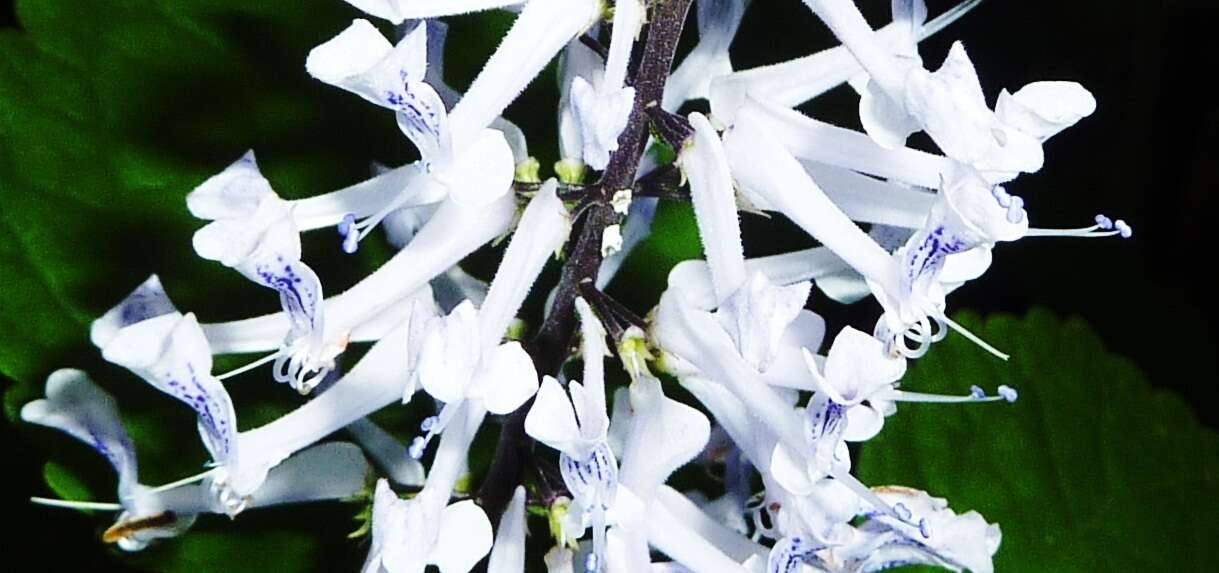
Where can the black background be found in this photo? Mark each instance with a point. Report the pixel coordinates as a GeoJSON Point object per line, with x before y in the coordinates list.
{"type": "Point", "coordinates": [1148, 155]}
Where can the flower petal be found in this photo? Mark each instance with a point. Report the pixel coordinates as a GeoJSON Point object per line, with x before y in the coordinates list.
{"type": "Point", "coordinates": [790, 470]}
{"type": "Point", "coordinates": [509, 378]}
{"type": "Point", "coordinates": [462, 538]}
{"type": "Point", "coordinates": [446, 363]}
{"type": "Point", "coordinates": [664, 435]}
{"type": "Point", "coordinates": [78, 407]}
{"type": "Point", "coordinates": [714, 198]}
{"type": "Point", "coordinates": [171, 353]}
{"type": "Point", "coordinates": [508, 553]}
{"type": "Point", "coordinates": [863, 423]}
{"type": "Point", "coordinates": [334, 470]}
{"type": "Point", "coordinates": [483, 172]}
{"type": "Point", "coordinates": [603, 112]}
{"type": "Point", "coordinates": [1042, 109]}
{"type": "Point", "coordinates": [147, 301]}
{"type": "Point", "coordinates": [757, 315]}
{"type": "Point", "coordinates": [551, 419]}
{"type": "Point", "coordinates": [235, 192]}
{"type": "Point", "coordinates": [360, 60]}
{"type": "Point", "coordinates": [857, 365]}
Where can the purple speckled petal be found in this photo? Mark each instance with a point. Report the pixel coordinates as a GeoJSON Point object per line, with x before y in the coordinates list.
{"type": "Point", "coordinates": [147, 301]}
{"type": "Point", "coordinates": [592, 480]}
{"type": "Point", "coordinates": [78, 407]}
{"type": "Point", "coordinates": [172, 354]}
{"type": "Point", "coordinates": [422, 117]}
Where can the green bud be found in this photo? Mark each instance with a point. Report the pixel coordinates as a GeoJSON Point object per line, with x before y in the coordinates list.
{"type": "Point", "coordinates": [527, 171]}
{"type": "Point", "coordinates": [570, 171]}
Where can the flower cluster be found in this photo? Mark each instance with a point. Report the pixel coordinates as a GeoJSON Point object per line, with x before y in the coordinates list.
{"type": "Point", "coordinates": [903, 226]}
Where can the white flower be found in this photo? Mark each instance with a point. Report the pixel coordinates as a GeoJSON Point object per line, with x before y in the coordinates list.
{"type": "Point", "coordinates": [758, 316]}
{"type": "Point", "coordinates": [171, 353]}
{"type": "Point", "coordinates": [658, 435]}
{"type": "Point", "coordinates": [948, 104]}
{"type": "Point", "coordinates": [857, 366]}
{"type": "Point", "coordinates": [362, 61]}
{"type": "Point", "coordinates": [407, 536]}
{"type": "Point", "coordinates": [940, 537]}
{"type": "Point", "coordinates": [578, 427]}
{"type": "Point", "coordinates": [605, 108]}
{"type": "Point", "coordinates": [253, 232]}
{"type": "Point", "coordinates": [362, 311]}
{"type": "Point", "coordinates": [452, 369]}
{"type": "Point", "coordinates": [78, 407]}
{"type": "Point", "coordinates": [75, 405]}
{"type": "Point", "coordinates": [794, 82]}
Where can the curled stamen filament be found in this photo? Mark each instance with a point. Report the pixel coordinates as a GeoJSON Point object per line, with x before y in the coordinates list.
{"type": "Point", "coordinates": [296, 368]}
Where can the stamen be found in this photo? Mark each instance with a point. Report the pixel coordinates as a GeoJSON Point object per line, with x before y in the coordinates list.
{"type": "Point", "coordinates": [919, 333]}
{"type": "Point", "coordinates": [82, 505]}
{"type": "Point", "coordinates": [294, 367]}
{"type": "Point", "coordinates": [353, 231]}
{"type": "Point", "coordinates": [431, 427]}
{"type": "Point", "coordinates": [1001, 196]}
{"type": "Point", "coordinates": [1008, 393]}
{"type": "Point", "coordinates": [351, 240]}
{"type": "Point", "coordinates": [974, 338]}
{"type": "Point", "coordinates": [865, 493]}
{"type": "Point", "coordinates": [184, 481]}
{"type": "Point", "coordinates": [248, 367]}
{"type": "Point", "coordinates": [976, 394]}
{"type": "Point", "coordinates": [416, 448]}
{"type": "Point", "coordinates": [1104, 227]}
{"type": "Point", "coordinates": [1015, 211]}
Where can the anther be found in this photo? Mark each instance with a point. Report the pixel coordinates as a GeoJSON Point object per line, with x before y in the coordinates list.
{"type": "Point", "coordinates": [351, 236]}
{"type": "Point", "coordinates": [1015, 211]}
{"type": "Point", "coordinates": [416, 448]}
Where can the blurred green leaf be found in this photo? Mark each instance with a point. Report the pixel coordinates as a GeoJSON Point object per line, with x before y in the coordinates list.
{"type": "Point", "coordinates": [65, 484]}
{"type": "Point", "coordinates": [1089, 470]}
{"type": "Point", "coordinates": [221, 550]}
{"type": "Point", "coordinates": [112, 110]}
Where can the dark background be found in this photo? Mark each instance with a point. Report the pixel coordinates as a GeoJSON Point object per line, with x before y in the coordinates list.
{"type": "Point", "coordinates": [1147, 155]}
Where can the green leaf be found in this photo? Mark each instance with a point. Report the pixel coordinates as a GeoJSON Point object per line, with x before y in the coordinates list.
{"type": "Point", "coordinates": [1091, 469]}
{"type": "Point", "coordinates": [222, 550]}
{"type": "Point", "coordinates": [65, 484]}
{"type": "Point", "coordinates": [112, 110]}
